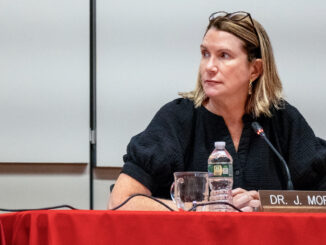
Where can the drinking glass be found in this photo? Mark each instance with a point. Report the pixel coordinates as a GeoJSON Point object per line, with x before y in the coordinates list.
{"type": "Point", "coordinates": [190, 188]}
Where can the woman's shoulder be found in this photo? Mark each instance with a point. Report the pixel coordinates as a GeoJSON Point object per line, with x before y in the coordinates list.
{"type": "Point", "coordinates": [289, 118]}
{"type": "Point", "coordinates": [179, 104]}
{"type": "Point", "coordinates": [177, 114]}
{"type": "Point", "coordinates": [178, 108]}
{"type": "Point", "coordinates": [287, 111]}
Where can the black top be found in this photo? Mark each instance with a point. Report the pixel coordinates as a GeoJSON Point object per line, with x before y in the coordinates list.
{"type": "Point", "coordinates": [181, 137]}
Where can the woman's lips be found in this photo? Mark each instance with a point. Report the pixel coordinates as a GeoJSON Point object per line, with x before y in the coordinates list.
{"type": "Point", "coordinates": [212, 82]}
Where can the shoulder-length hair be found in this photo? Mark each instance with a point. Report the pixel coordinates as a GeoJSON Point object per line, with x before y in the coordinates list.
{"type": "Point", "coordinates": [267, 88]}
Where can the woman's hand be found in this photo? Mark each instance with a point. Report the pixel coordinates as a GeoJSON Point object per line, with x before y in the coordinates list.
{"type": "Point", "coordinates": [247, 201]}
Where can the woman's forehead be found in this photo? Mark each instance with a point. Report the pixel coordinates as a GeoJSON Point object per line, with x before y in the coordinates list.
{"type": "Point", "coordinates": [221, 39]}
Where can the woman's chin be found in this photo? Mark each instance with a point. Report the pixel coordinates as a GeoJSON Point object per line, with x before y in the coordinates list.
{"type": "Point", "coordinates": [213, 94]}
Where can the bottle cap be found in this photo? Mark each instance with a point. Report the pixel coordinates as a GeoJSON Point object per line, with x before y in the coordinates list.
{"type": "Point", "coordinates": [219, 145]}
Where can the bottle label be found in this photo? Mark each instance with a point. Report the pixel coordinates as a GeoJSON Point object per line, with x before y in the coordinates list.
{"type": "Point", "coordinates": [220, 170]}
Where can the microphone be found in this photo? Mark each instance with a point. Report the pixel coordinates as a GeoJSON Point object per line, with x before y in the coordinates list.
{"type": "Point", "coordinates": [260, 131]}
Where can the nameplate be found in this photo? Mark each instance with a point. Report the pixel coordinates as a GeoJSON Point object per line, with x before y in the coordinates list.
{"type": "Point", "coordinates": [293, 201]}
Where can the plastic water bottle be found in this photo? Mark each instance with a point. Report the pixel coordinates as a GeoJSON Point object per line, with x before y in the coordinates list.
{"type": "Point", "coordinates": [220, 177]}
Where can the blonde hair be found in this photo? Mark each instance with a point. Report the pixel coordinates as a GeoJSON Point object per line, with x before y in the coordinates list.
{"type": "Point", "coordinates": [267, 88]}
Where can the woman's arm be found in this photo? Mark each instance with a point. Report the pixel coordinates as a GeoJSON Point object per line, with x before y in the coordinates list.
{"type": "Point", "coordinates": [126, 186]}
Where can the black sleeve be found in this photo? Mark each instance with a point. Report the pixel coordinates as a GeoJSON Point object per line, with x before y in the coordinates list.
{"type": "Point", "coordinates": [153, 155]}
{"type": "Point", "coordinates": [306, 153]}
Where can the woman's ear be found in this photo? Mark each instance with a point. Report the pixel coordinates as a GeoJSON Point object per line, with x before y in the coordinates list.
{"type": "Point", "coordinates": [256, 69]}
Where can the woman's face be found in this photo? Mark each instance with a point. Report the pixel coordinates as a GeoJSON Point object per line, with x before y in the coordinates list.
{"type": "Point", "coordinates": [224, 68]}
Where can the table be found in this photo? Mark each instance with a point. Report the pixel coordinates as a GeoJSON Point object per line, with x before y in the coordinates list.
{"type": "Point", "coordinates": [140, 227]}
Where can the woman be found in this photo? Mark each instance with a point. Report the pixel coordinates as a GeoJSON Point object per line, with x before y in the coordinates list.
{"type": "Point", "coordinates": [237, 84]}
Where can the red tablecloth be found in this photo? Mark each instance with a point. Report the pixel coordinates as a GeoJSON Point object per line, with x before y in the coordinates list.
{"type": "Point", "coordinates": [123, 227]}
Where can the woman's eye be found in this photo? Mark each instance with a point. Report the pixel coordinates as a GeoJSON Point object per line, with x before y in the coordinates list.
{"type": "Point", "coordinates": [225, 55]}
{"type": "Point", "coordinates": [204, 53]}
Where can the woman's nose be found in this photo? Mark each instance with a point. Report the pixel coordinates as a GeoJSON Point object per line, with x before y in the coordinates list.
{"type": "Point", "coordinates": [211, 66]}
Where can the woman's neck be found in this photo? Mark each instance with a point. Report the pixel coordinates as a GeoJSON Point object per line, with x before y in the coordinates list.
{"type": "Point", "coordinates": [231, 112]}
